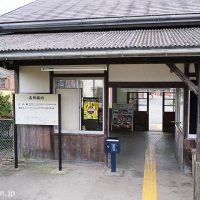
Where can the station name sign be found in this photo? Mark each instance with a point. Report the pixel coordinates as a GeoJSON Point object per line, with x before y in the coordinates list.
{"type": "Point", "coordinates": [36, 109]}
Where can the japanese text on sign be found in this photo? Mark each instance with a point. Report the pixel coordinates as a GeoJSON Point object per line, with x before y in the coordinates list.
{"type": "Point", "coordinates": [37, 109]}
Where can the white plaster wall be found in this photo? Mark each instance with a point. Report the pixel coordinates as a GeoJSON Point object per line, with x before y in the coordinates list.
{"type": "Point", "coordinates": [192, 68]}
{"type": "Point", "coordinates": [33, 80]}
{"type": "Point", "coordinates": [142, 73]}
{"type": "Point", "coordinates": [121, 96]}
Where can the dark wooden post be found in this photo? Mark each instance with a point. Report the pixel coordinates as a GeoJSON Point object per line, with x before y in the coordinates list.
{"type": "Point", "coordinates": [197, 164]}
{"type": "Point", "coordinates": [51, 91]}
{"type": "Point", "coordinates": [186, 102]}
{"type": "Point", "coordinates": [106, 102]}
{"type": "Point", "coordinates": [15, 134]}
{"type": "Point", "coordinates": [163, 111]}
{"type": "Point", "coordinates": [198, 116]}
{"type": "Point", "coordinates": [59, 133]}
{"type": "Point", "coordinates": [106, 108]}
{"type": "Point", "coordinates": [148, 109]}
{"type": "Point", "coordinates": [114, 95]}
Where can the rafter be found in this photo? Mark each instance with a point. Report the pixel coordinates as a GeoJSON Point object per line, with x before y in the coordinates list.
{"type": "Point", "coordinates": [183, 77]}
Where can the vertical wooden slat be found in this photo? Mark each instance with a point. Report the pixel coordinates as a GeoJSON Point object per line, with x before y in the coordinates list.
{"type": "Point", "coordinates": [186, 103]}
{"type": "Point", "coordinates": [106, 108]}
{"type": "Point", "coordinates": [32, 135]}
{"type": "Point", "coordinates": [16, 139]}
{"type": "Point", "coordinates": [163, 110]}
{"type": "Point", "coordinates": [51, 75]}
{"type": "Point", "coordinates": [59, 133]}
{"type": "Point", "coordinates": [106, 102]}
{"type": "Point", "coordinates": [51, 90]}
{"type": "Point", "coordinates": [114, 95]}
{"type": "Point", "coordinates": [198, 116]}
{"type": "Point", "coordinates": [47, 142]}
{"type": "Point", "coordinates": [197, 163]}
{"type": "Point", "coordinates": [16, 79]}
{"type": "Point", "coordinates": [15, 136]}
{"type": "Point", "coordinates": [81, 147]}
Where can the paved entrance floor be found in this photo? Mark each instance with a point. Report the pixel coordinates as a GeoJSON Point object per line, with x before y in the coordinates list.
{"type": "Point", "coordinates": [87, 181]}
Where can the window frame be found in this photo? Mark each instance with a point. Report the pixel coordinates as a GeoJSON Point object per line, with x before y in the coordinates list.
{"type": "Point", "coordinates": [78, 132]}
{"type": "Point", "coordinates": [4, 83]}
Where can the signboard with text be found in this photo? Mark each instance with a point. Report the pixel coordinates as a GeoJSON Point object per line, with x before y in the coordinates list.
{"type": "Point", "coordinates": [36, 109]}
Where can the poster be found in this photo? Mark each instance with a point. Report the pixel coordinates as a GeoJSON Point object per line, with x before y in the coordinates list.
{"type": "Point", "coordinates": [122, 116]}
{"type": "Point", "coordinates": [36, 109]}
{"type": "Point", "coordinates": [90, 108]}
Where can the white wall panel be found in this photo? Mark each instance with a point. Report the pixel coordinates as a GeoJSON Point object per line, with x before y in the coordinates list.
{"type": "Point", "coordinates": [33, 80]}
{"type": "Point", "coordinates": [70, 108]}
{"type": "Point", "coordinates": [121, 96]}
{"type": "Point", "coordinates": [142, 73]}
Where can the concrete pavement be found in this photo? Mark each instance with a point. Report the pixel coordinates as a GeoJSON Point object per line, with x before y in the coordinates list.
{"type": "Point", "coordinates": [87, 181]}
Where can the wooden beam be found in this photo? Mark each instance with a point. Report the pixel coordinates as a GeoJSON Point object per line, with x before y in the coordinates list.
{"type": "Point", "coordinates": [91, 61]}
{"type": "Point", "coordinates": [146, 84]}
{"type": "Point", "coordinates": [183, 77]}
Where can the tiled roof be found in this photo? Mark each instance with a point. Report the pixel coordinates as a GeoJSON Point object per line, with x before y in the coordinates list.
{"type": "Point", "coordinates": [105, 40]}
{"type": "Point", "coordinates": [5, 73]}
{"type": "Point", "coordinates": [81, 9]}
{"type": "Point", "coordinates": [1, 74]}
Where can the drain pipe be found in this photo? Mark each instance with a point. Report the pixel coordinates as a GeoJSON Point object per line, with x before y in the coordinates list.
{"type": "Point", "coordinates": [41, 55]}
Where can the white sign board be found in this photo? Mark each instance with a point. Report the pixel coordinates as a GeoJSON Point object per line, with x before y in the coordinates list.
{"type": "Point", "coordinates": [37, 109]}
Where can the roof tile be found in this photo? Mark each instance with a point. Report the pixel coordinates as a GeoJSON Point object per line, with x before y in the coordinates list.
{"type": "Point", "coordinates": [79, 9]}
{"type": "Point", "coordinates": [103, 40]}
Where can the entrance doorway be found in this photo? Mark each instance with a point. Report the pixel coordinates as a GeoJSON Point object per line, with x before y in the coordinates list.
{"type": "Point", "coordinates": [155, 110]}
{"type": "Point", "coordinates": [134, 109]}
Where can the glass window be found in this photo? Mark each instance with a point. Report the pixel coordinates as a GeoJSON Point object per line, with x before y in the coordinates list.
{"type": "Point", "coordinates": [2, 83]}
{"type": "Point", "coordinates": [82, 103]}
{"type": "Point", "coordinates": [181, 108]}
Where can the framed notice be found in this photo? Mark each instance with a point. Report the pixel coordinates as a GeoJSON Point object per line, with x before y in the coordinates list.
{"type": "Point", "coordinates": [122, 116]}
{"type": "Point", "coordinates": [36, 109]}
{"type": "Point", "coordinates": [90, 108]}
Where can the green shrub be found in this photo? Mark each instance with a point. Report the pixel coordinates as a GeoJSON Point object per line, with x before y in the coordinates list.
{"type": "Point", "coordinates": [5, 106]}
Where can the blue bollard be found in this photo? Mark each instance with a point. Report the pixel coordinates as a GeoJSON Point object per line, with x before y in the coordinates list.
{"type": "Point", "coordinates": [113, 147]}
{"type": "Point", "coordinates": [113, 162]}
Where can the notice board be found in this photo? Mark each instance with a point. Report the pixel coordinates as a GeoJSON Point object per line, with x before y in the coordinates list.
{"type": "Point", "coordinates": [122, 116]}
{"type": "Point", "coordinates": [36, 109]}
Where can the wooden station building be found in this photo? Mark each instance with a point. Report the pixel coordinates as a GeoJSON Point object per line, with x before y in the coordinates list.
{"type": "Point", "coordinates": [95, 49]}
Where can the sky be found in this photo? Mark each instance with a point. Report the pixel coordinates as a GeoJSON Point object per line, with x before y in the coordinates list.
{"type": "Point", "coordinates": [8, 5]}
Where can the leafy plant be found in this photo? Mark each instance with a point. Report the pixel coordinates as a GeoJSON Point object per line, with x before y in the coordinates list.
{"type": "Point", "coordinates": [5, 106]}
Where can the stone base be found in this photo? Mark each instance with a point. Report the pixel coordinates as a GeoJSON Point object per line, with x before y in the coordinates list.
{"type": "Point", "coordinates": [56, 171]}
{"type": "Point", "coordinates": [118, 173]}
